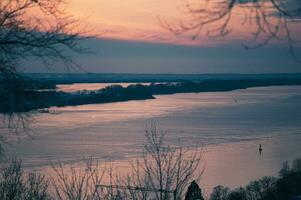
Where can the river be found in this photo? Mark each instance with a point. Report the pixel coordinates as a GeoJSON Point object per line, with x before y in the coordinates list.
{"type": "Point", "coordinates": [229, 125]}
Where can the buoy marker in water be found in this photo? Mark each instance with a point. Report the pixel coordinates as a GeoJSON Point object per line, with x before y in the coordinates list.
{"type": "Point", "coordinates": [260, 149]}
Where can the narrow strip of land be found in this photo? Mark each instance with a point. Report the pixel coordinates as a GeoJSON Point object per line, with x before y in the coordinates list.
{"type": "Point", "coordinates": [28, 100]}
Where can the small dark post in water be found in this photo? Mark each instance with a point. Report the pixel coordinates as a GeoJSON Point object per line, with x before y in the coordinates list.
{"type": "Point", "coordinates": [260, 149]}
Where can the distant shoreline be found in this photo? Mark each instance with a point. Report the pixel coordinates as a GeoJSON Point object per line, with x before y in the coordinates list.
{"type": "Point", "coordinates": [35, 99]}
{"type": "Point", "coordinates": [71, 78]}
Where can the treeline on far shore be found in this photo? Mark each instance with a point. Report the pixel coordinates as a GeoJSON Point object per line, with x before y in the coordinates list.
{"type": "Point", "coordinates": [32, 97]}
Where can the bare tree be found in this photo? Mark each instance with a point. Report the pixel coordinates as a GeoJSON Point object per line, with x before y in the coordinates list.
{"type": "Point", "coordinates": [19, 185]}
{"type": "Point", "coordinates": [266, 20]}
{"type": "Point", "coordinates": [32, 29]}
{"type": "Point", "coordinates": [78, 183]}
{"type": "Point", "coordinates": [35, 28]}
{"type": "Point", "coordinates": [164, 172]}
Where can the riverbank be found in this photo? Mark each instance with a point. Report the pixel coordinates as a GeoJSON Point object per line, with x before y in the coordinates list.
{"type": "Point", "coordinates": [28, 100]}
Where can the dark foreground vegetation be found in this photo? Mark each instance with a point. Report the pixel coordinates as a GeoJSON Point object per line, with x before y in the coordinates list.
{"type": "Point", "coordinates": [86, 184]}
{"type": "Point", "coordinates": [286, 187]}
{"type": "Point", "coordinates": [34, 98]}
{"type": "Point", "coordinates": [163, 173]}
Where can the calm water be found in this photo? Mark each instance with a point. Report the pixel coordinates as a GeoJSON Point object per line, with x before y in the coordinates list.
{"type": "Point", "coordinates": [231, 125]}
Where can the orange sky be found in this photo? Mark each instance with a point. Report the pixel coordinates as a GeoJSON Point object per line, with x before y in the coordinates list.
{"type": "Point", "coordinates": [136, 20]}
{"type": "Point", "coordinates": [139, 20]}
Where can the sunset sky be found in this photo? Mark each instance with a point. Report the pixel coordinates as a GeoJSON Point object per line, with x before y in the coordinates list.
{"type": "Point", "coordinates": [139, 20]}
{"type": "Point", "coordinates": [130, 39]}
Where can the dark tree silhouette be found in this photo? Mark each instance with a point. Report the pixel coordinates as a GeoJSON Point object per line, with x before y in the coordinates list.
{"type": "Point", "coordinates": [194, 192]}
{"type": "Point", "coordinates": [266, 20]}
{"type": "Point", "coordinates": [32, 29]}
{"type": "Point", "coordinates": [164, 170]}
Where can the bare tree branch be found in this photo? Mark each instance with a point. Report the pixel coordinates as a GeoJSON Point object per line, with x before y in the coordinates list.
{"type": "Point", "coordinates": [266, 20]}
{"type": "Point", "coordinates": [38, 29]}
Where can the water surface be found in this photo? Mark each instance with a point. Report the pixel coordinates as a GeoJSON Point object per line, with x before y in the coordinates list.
{"type": "Point", "coordinates": [230, 125]}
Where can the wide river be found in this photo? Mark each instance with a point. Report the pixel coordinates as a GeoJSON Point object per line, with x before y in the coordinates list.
{"type": "Point", "coordinates": [230, 125]}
